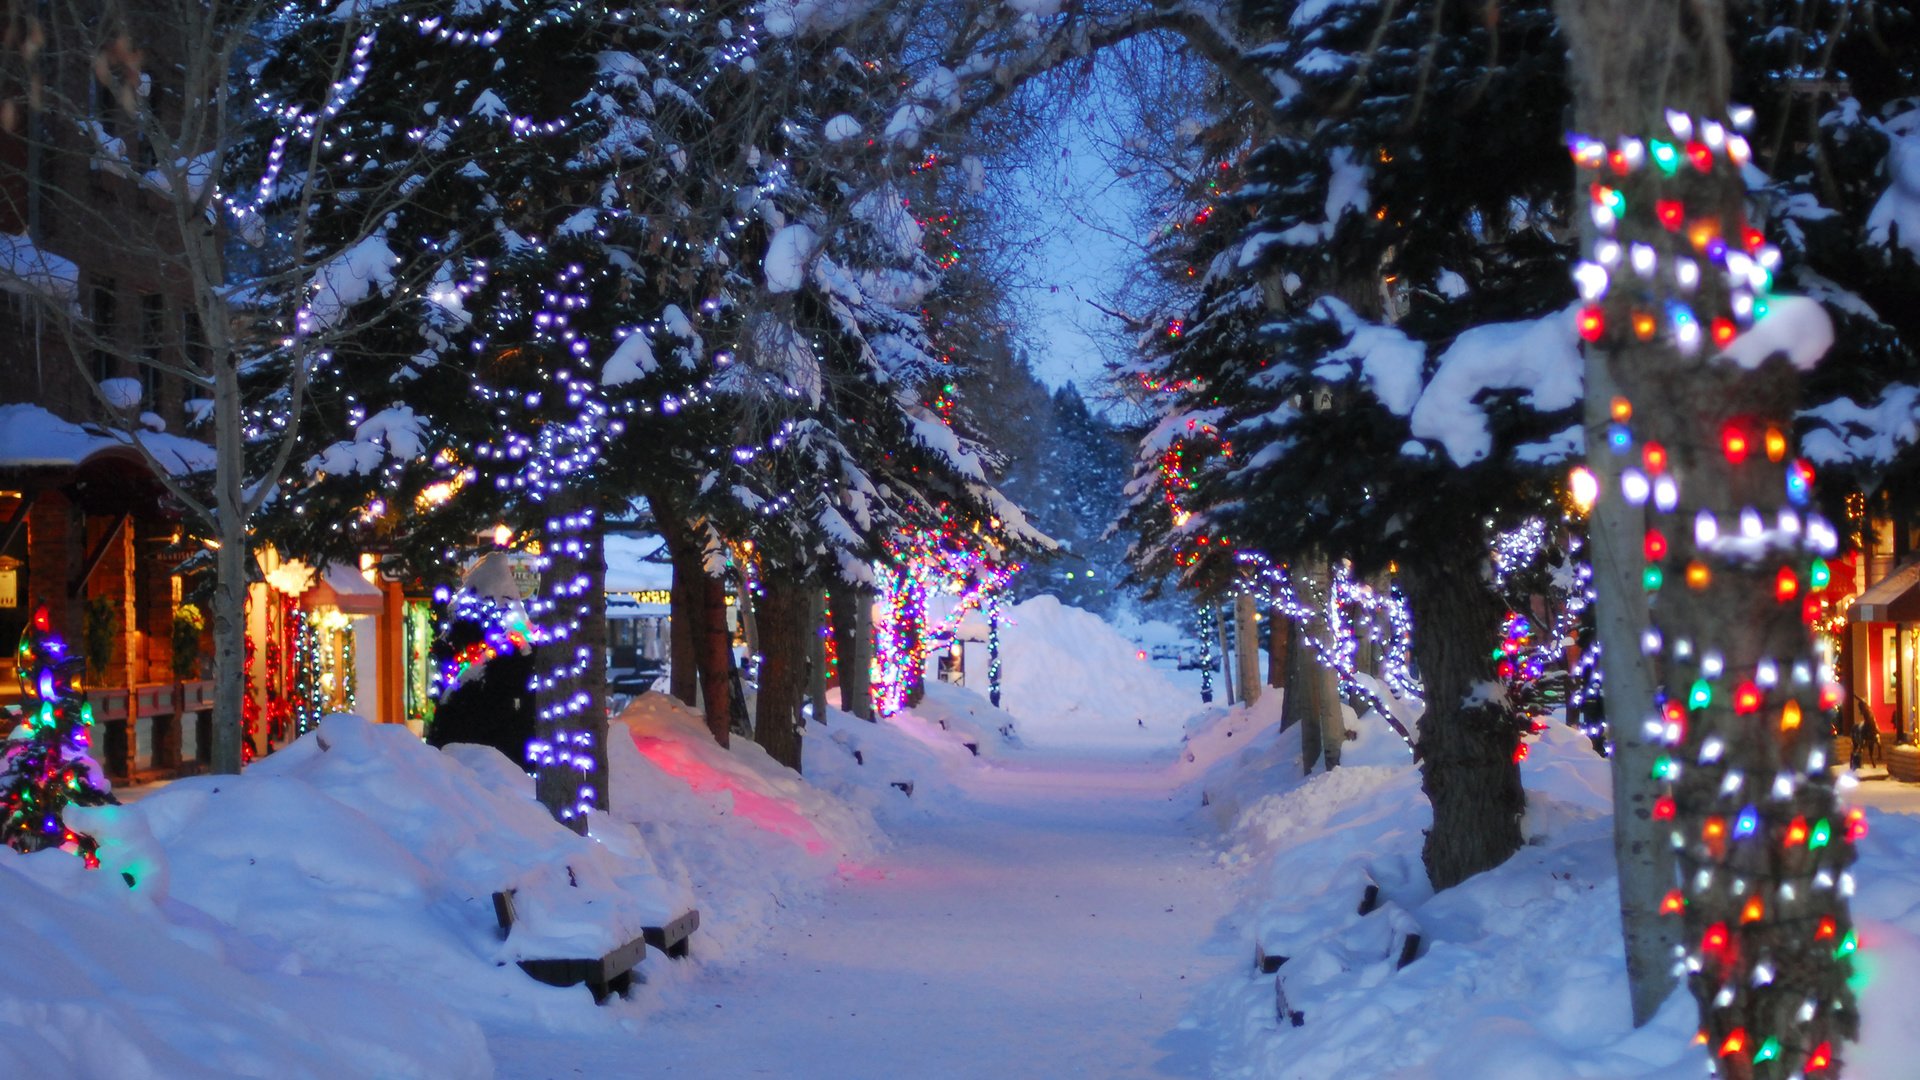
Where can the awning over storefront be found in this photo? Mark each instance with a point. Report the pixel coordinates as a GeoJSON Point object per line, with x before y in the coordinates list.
{"type": "Point", "coordinates": [1894, 598]}
{"type": "Point", "coordinates": [349, 590]}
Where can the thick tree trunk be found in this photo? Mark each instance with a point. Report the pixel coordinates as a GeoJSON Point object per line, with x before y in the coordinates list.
{"type": "Point", "coordinates": [1227, 675]}
{"type": "Point", "coordinates": [817, 654]}
{"type": "Point", "coordinates": [1467, 736]}
{"type": "Point", "coordinates": [1297, 703]}
{"type": "Point", "coordinates": [683, 676]}
{"type": "Point", "coordinates": [713, 657]}
{"type": "Point", "coordinates": [1247, 642]}
{"type": "Point", "coordinates": [230, 587]}
{"type": "Point", "coordinates": [1333, 722]}
{"type": "Point", "coordinates": [1764, 913]}
{"type": "Point", "coordinates": [1306, 691]}
{"type": "Point", "coordinates": [570, 682]}
{"type": "Point", "coordinates": [706, 630]}
{"type": "Point", "coordinates": [1279, 633]}
{"type": "Point", "coordinates": [1640, 843]}
{"type": "Point", "coordinates": [852, 643]}
{"type": "Point", "coordinates": [749, 624]}
{"type": "Point", "coordinates": [784, 621]}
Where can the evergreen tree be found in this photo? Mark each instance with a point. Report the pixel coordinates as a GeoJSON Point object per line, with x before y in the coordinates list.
{"type": "Point", "coordinates": [1385, 349]}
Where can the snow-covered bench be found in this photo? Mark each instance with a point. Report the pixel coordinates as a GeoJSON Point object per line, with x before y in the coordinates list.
{"type": "Point", "coordinates": [611, 973]}
{"type": "Point", "coordinates": [676, 937]}
{"type": "Point", "coordinates": [604, 975]}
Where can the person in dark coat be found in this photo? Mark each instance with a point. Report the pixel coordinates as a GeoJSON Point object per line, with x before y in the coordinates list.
{"type": "Point", "coordinates": [495, 709]}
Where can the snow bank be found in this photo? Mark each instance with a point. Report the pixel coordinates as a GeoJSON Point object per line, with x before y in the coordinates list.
{"type": "Point", "coordinates": [750, 835]}
{"type": "Point", "coordinates": [328, 913]}
{"type": "Point", "coordinates": [1520, 975]}
{"type": "Point", "coordinates": [113, 983]}
{"type": "Point", "coordinates": [1071, 681]}
{"type": "Point", "coordinates": [364, 818]}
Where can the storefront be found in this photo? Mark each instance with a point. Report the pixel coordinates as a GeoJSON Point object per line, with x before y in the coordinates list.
{"type": "Point", "coordinates": [88, 531]}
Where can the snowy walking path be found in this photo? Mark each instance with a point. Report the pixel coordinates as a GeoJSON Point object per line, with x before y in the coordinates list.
{"type": "Point", "coordinates": [1056, 927]}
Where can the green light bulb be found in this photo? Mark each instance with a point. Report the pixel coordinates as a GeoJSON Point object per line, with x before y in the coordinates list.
{"type": "Point", "coordinates": [1700, 696]}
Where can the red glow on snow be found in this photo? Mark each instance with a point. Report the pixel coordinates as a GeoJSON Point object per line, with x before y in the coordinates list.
{"type": "Point", "coordinates": [677, 760]}
{"type": "Point", "coordinates": [852, 871]}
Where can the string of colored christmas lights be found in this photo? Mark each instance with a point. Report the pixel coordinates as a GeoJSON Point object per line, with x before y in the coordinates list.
{"type": "Point", "coordinates": [1350, 607]}
{"type": "Point", "coordinates": [926, 561]}
{"type": "Point", "coordinates": [49, 765]}
{"type": "Point", "coordinates": [1761, 843]}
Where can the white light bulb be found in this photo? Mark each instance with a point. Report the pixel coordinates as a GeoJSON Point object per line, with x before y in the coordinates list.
{"type": "Point", "coordinates": [1666, 494]}
{"type": "Point", "coordinates": [1591, 278]}
{"type": "Point", "coordinates": [1706, 529]}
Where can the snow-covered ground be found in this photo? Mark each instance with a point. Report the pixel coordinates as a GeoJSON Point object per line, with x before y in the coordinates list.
{"type": "Point", "coordinates": [1079, 894]}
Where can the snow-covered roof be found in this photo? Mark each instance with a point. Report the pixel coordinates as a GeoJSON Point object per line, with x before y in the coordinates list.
{"type": "Point", "coordinates": [30, 436]}
{"type": "Point", "coordinates": [1876, 604]}
{"type": "Point", "coordinates": [25, 267]}
{"type": "Point", "coordinates": [628, 568]}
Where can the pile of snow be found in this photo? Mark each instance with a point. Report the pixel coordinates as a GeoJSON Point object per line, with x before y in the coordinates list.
{"type": "Point", "coordinates": [110, 982]}
{"type": "Point", "coordinates": [328, 913]}
{"type": "Point", "coordinates": [1521, 974]}
{"type": "Point", "coordinates": [1071, 681]}
{"type": "Point", "coordinates": [913, 765]}
{"type": "Point", "coordinates": [366, 818]}
{"type": "Point", "coordinates": [752, 837]}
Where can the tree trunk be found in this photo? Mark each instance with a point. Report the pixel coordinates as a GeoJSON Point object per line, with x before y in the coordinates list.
{"type": "Point", "coordinates": [1227, 674]}
{"type": "Point", "coordinates": [713, 657]}
{"type": "Point", "coordinates": [706, 604]}
{"type": "Point", "coordinates": [1306, 691]}
{"type": "Point", "coordinates": [1295, 704]}
{"type": "Point", "coordinates": [1468, 737]}
{"type": "Point", "coordinates": [1326, 707]}
{"type": "Point", "coordinates": [749, 625]}
{"type": "Point", "coordinates": [817, 654]}
{"type": "Point", "coordinates": [230, 588]}
{"type": "Point", "coordinates": [1279, 634]}
{"type": "Point", "coordinates": [683, 676]}
{"type": "Point", "coordinates": [570, 682]}
{"type": "Point", "coordinates": [1247, 641]}
{"type": "Point", "coordinates": [778, 724]}
{"type": "Point", "coordinates": [1615, 533]}
{"type": "Point", "coordinates": [852, 640]}
{"type": "Point", "coordinates": [1746, 734]}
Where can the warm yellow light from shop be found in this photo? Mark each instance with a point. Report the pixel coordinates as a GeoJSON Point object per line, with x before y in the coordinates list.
{"type": "Point", "coordinates": [502, 535]}
{"type": "Point", "coordinates": [1790, 716]}
{"type": "Point", "coordinates": [1584, 487]}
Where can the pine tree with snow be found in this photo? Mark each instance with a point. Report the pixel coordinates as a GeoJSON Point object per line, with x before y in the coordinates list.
{"type": "Point", "coordinates": [529, 341]}
{"type": "Point", "coordinates": [1413, 379]}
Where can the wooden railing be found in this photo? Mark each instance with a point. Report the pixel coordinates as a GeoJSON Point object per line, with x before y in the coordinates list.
{"type": "Point", "coordinates": [142, 732]}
